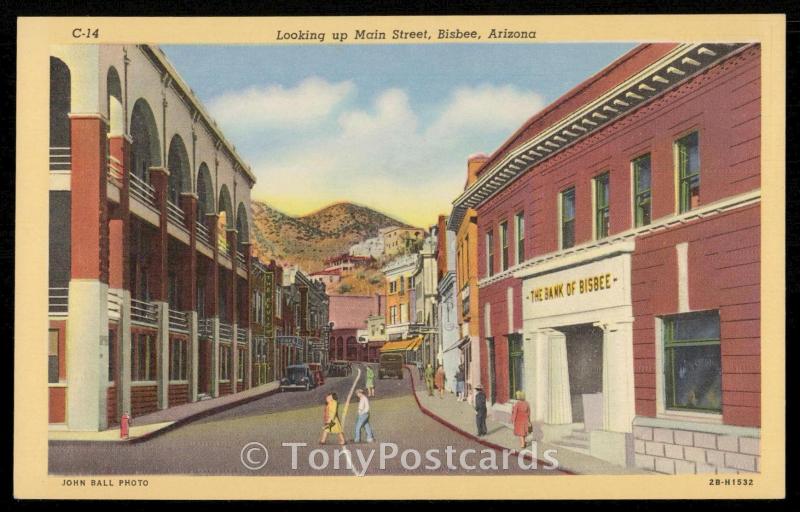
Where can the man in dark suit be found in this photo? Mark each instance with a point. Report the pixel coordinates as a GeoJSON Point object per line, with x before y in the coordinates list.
{"type": "Point", "coordinates": [480, 410]}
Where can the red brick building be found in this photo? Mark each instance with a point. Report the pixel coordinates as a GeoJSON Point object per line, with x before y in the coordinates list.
{"type": "Point", "coordinates": [349, 314]}
{"type": "Point", "coordinates": [619, 255]}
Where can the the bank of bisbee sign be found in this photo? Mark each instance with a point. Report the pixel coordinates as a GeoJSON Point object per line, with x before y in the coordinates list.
{"type": "Point", "coordinates": [596, 285]}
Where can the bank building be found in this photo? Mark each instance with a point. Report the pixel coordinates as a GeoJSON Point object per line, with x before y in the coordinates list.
{"type": "Point", "coordinates": [619, 262]}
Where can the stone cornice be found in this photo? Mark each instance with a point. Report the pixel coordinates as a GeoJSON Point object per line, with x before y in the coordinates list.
{"type": "Point", "coordinates": [678, 66]}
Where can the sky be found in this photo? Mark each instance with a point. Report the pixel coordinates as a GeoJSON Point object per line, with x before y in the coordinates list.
{"type": "Point", "coordinates": [385, 126]}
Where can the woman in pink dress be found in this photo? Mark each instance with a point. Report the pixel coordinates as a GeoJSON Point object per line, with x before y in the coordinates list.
{"type": "Point", "coordinates": [521, 418]}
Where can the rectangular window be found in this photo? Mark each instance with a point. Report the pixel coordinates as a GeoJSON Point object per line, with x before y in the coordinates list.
{"type": "Point", "coordinates": [52, 357]}
{"type": "Point", "coordinates": [641, 190]}
{"type": "Point", "coordinates": [519, 233]}
{"type": "Point", "coordinates": [688, 155]}
{"type": "Point", "coordinates": [393, 315]}
{"type": "Point", "coordinates": [568, 218]}
{"type": "Point", "coordinates": [224, 362]}
{"type": "Point", "coordinates": [112, 355]}
{"type": "Point", "coordinates": [178, 353]}
{"type": "Point", "coordinates": [692, 362]}
{"type": "Point", "coordinates": [403, 313]}
{"type": "Point", "coordinates": [393, 287]}
{"type": "Point", "coordinates": [504, 245]}
{"type": "Point", "coordinates": [402, 285]}
{"type": "Point", "coordinates": [240, 368]}
{"type": "Point", "coordinates": [601, 211]}
{"type": "Point", "coordinates": [515, 369]}
{"type": "Point", "coordinates": [144, 357]}
{"type": "Point", "coordinates": [490, 253]}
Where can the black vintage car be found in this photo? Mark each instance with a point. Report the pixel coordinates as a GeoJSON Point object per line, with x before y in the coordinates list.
{"type": "Point", "coordinates": [339, 369]}
{"type": "Point", "coordinates": [298, 376]}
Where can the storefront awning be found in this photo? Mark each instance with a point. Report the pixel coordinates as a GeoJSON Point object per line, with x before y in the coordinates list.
{"type": "Point", "coordinates": [402, 345]}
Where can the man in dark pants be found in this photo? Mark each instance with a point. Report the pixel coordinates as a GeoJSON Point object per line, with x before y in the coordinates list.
{"type": "Point", "coordinates": [480, 410]}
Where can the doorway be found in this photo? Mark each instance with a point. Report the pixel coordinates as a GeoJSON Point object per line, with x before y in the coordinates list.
{"type": "Point", "coordinates": [585, 365]}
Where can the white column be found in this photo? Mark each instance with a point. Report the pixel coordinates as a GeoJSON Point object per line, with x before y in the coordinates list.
{"type": "Point", "coordinates": [618, 390]}
{"type": "Point", "coordinates": [194, 355]}
{"type": "Point", "coordinates": [559, 403]}
{"type": "Point", "coordinates": [235, 359]}
{"type": "Point", "coordinates": [248, 374]}
{"type": "Point", "coordinates": [215, 357]}
{"type": "Point", "coordinates": [162, 351]}
{"type": "Point", "coordinates": [125, 352]}
{"type": "Point", "coordinates": [87, 355]}
{"type": "Point", "coordinates": [536, 355]}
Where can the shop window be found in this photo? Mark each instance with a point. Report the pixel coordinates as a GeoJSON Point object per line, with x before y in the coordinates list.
{"type": "Point", "coordinates": [692, 362]}
{"type": "Point", "coordinates": [519, 233]}
{"type": "Point", "coordinates": [601, 208]}
{"type": "Point", "coordinates": [178, 355]}
{"type": "Point", "coordinates": [143, 357]}
{"type": "Point", "coordinates": [504, 245]}
{"type": "Point", "coordinates": [641, 190]}
{"type": "Point", "coordinates": [240, 368]}
{"type": "Point", "coordinates": [568, 218]}
{"type": "Point", "coordinates": [52, 357]}
{"type": "Point", "coordinates": [490, 253]}
{"type": "Point", "coordinates": [688, 160]}
{"type": "Point", "coordinates": [515, 362]}
{"type": "Point", "coordinates": [224, 362]}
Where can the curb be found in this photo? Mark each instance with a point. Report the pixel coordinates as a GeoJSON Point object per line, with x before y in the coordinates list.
{"type": "Point", "coordinates": [466, 434]}
{"type": "Point", "coordinates": [174, 425]}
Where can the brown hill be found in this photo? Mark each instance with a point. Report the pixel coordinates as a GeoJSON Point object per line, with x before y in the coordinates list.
{"type": "Point", "coordinates": [309, 239]}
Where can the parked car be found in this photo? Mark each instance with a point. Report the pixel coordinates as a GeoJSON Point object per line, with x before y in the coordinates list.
{"type": "Point", "coordinates": [319, 375]}
{"type": "Point", "coordinates": [390, 365]}
{"type": "Point", "coordinates": [298, 376]}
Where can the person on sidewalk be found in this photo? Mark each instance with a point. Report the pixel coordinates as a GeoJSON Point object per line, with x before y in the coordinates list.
{"type": "Point", "coordinates": [460, 395]}
{"type": "Point", "coordinates": [440, 380]}
{"type": "Point", "coordinates": [363, 418]}
{"type": "Point", "coordinates": [429, 379]}
{"type": "Point", "coordinates": [370, 381]}
{"type": "Point", "coordinates": [480, 410]}
{"type": "Point", "coordinates": [521, 418]}
{"type": "Point", "coordinates": [331, 425]}
{"type": "Point", "coordinates": [420, 370]}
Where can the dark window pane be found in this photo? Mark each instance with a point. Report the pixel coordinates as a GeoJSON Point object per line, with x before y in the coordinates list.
{"type": "Point", "coordinates": [52, 369]}
{"type": "Point", "coordinates": [694, 373]}
{"type": "Point", "coordinates": [568, 235]}
{"type": "Point", "coordinates": [703, 326]}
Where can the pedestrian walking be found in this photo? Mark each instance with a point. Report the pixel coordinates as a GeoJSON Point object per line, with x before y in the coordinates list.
{"type": "Point", "coordinates": [521, 418]}
{"type": "Point", "coordinates": [480, 410]}
{"type": "Point", "coordinates": [332, 424]}
{"type": "Point", "coordinates": [429, 379]}
{"type": "Point", "coordinates": [363, 418]}
{"type": "Point", "coordinates": [440, 377]}
{"type": "Point", "coordinates": [460, 395]}
{"type": "Point", "coordinates": [370, 381]}
{"type": "Point", "coordinates": [420, 369]}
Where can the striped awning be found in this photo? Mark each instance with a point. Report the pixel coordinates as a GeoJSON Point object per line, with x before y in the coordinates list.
{"type": "Point", "coordinates": [410, 344]}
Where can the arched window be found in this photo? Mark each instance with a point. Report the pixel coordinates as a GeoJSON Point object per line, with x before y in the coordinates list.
{"type": "Point", "coordinates": [60, 97]}
{"type": "Point", "coordinates": [114, 91]}
{"type": "Point", "coordinates": [242, 226]}
{"type": "Point", "coordinates": [178, 164]}
{"type": "Point", "coordinates": [226, 206]}
{"type": "Point", "coordinates": [205, 194]}
{"type": "Point", "coordinates": [145, 147]}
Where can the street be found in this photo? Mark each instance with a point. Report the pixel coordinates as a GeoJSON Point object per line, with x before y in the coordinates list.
{"type": "Point", "coordinates": [288, 426]}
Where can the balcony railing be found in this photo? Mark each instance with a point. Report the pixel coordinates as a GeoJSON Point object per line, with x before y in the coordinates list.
{"type": "Point", "coordinates": [225, 332]}
{"type": "Point", "coordinates": [144, 312]}
{"type": "Point", "coordinates": [142, 190]}
{"type": "Point", "coordinates": [240, 259]}
{"type": "Point", "coordinates": [203, 234]}
{"type": "Point", "coordinates": [114, 169]}
{"type": "Point", "coordinates": [178, 321]}
{"type": "Point", "coordinates": [205, 328]}
{"type": "Point", "coordinates": [60, 159]}
{"type": "Point", "coordinates": [58, 301]}
{"type": "Point", "coordinates": [175, 214]}
{"type": "Point", "coordinates": [114, 304]}
{"type": "Point", "coordinates": [241, 335]}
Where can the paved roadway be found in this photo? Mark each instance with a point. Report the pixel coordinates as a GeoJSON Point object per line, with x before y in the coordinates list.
{"type": "Point", "coordinates": [214, 445]}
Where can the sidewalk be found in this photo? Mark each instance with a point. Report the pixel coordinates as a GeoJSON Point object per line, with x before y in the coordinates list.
{"type": "Point", "coordinates": [460, 416]}
{"type": "Point", "coordinates": [159, 422]}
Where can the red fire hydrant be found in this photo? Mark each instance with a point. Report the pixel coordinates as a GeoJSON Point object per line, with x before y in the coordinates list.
{"type": "Point", "coordinates": [124, 421]}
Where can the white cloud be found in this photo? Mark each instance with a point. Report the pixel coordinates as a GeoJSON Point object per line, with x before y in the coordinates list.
{"type": "Point", "coordinates": [387, 158]}
{"type": "Point", "coordinates": [311, 100]}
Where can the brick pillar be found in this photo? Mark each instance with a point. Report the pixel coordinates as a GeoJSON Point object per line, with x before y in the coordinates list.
{"type": "Point", "coordinates": [119, 271]}
{"type": "Point", "coordinates": [189, 286]}
{"type": "Point", "coordinates": [87, 324]}
{"type": "Point", "coordinates": [159, 179]}
{"type": "Point", "coordinates": [232, 245]}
